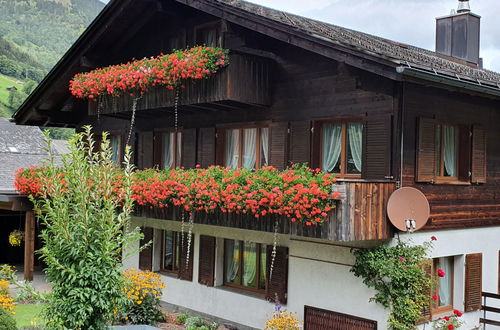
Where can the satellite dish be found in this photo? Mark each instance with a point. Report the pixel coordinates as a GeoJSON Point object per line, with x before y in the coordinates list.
{"type": "Point", "coordinates": [408, 209]}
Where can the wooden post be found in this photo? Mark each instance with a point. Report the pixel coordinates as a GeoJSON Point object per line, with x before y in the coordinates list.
{"type": "Point", "coordinates": [29, 245]}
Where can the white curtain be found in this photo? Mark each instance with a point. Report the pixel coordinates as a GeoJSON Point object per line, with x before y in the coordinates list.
{"type": "Point", "coordinates": [355, 131]}
{"type": "Point", "coordinates": [445, 283]}
{"type": "Point", "coordinates": [249, 263]}
{"type": "Point", "coordinates": [332, 144]}
{"type": "Point", "coordinates": [115, 148]}
{"type": "Point", "coordinates": [450, 150]}
{"type": "Point", "coordinates": [264, 141]}
{"type": "Point", "coordinates": [232, 261]}
{"type": "Point", "coordinates": [179, 149]}
{"type": "Point", "coordinates": [232, 147]}
{"type": "Point", "coordinates": [249, 147]}
{"type": "Point", "coordinates": [168, 150]}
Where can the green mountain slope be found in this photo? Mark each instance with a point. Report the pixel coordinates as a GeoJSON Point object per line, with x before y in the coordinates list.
{"type": "Point", "coordinates": [34, 35]}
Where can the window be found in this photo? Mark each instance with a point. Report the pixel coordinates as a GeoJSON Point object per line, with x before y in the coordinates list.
{"type": "Point", "coordinates": [446, 140]}
{"type": "Point", "coordinates": [116, 147]}
{"type": "Point", "coordinates": [171, 242]}
{"type": "Point", "coordinates": [171, 149]}
{"type": "Point", "coordinates": [444, 285]}
{"type": "Point", "coordinates": [246, 147]}
{"type": "Point", "coordinates": [342, 148]}
{"type": "Point", "coordinates": [209, 35]}
{"type": "Point", "coordinates": [245, 265]}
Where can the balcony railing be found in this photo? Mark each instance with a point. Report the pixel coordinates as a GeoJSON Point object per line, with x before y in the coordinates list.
{"type": "Point", "coordinates": [244, 81]}
{"type": "Point", "coordinates": [360, 215]}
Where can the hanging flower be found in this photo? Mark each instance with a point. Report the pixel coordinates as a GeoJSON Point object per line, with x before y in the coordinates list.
{"type": "Point", "coordinates": [16, 238]}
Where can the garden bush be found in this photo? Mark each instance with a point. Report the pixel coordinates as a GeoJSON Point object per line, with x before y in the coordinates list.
{"type": "Point", "coordinates": [7, 321]}
{"type": "Point", "coordinates": [86, 219]}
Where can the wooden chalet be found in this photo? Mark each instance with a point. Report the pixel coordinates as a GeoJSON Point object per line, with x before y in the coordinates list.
{"type": "Point", "coordinates": [378, 113]}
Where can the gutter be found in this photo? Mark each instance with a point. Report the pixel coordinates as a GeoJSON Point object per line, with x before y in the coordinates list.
{"type": "Point", "coordinates": [447, 80]}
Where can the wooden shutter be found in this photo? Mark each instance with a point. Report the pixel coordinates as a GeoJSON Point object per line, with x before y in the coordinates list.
{"type": "Point", "coordinates": [206, 269]}
{"type": "Point", "coordinates": [478, 155]}
{"type": "Point", "coordinates": [316, 144]}
{"type": "Point", "coordinates": [220, 144]}
{"type": "Point", "coordinates": [188, 152]}
{"type": "Point", "coordinates": [145, 150]}
{"type": "Point", "coordinates": [146, 255]}
{"type": "Point", "coordinates": [185, 266]}
{"type": "Point", "coordinates": [473, 281]}
{"type": "Point", "coordinates": [321, 319]}
{"type": "Point", "coordinates": [157, 149]}
{"type": "Point", "coordinates": [278, 145]}
{"type": "Point", "coordinates": [464, 153]}
{"type": "Point", "coordinates": [377, 147]}
{"type": "Point", "coordinates": [206, 149]}
{"type": "Point", "coordinates": [276, 286]}
{"type": "Point", "coordinates": [300, 142]}
{"type": "Point", "coordinates": [426, 313]}
{"type": "Point", "coordinates": [426, 151]}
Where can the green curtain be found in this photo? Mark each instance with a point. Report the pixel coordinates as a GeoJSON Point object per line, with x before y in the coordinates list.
{"type": "Point", "coordinates": [355, 131]}
{"type": "Point", "coordinates": [332, 145]}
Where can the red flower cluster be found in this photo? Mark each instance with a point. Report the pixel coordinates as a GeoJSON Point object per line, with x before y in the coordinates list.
{"type": "Point", "coordinates": [140, 75]}
{"type": "Point", "coordinates": [299, 193]}
{"type": "Point", "coordinates": [441, 273]}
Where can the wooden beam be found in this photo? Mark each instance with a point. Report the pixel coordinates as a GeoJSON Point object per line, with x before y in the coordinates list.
{"type": "Point", "coordinates": [29, 245]}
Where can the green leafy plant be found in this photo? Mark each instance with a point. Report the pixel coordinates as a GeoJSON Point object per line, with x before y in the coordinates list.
{"type": "Point", "coordinates": [448, 322]}
{"type": "Point", "coordinates": [8, 273]}
{"type": "Point", "coordinates": [181, 318]}
{"type": "Point", "coordinates": [27, 294]}
{"type": "Point", "coordinates": [7, 321]}
{"type": "Point", "coordinates": [197, 323]}
{"type": "Point", "coordinates": [86, 219]}
{"type": "Point", "coordinates": [397, 274]}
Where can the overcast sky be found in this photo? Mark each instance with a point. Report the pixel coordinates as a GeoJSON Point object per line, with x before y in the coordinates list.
{"type": "Point", "coordinates": [407, 21]}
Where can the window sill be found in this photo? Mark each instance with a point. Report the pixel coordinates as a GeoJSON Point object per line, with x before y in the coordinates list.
{"type": "Point", "coordinates": [452, 182]}
{"type": "Point", "coordinates": [441, 311]}
{"type": "Point", "coordinates": [245, 292]}
{"type": "Point", "coordinates": [340, 180]}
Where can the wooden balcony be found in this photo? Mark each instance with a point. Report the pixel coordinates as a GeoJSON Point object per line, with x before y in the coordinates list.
{"type": "Point", "coordinates": [360, 215]}
{"type": "Point", "coordinates": [245, 81]}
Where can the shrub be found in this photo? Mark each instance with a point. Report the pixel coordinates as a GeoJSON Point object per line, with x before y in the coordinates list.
{"type": "Point", "coordinates": [197, 323]}
{"type": "Point", "coordinates": [143, 289]}
{"type": "Point", "coordinates": [86, 229]}
{"type": "Point", "coordinates": [7, 322]}
{"type": "Point", "coordinates": [181, 319]}
{"type": "Point", "coordinates": [27, 294]}
{"type": "Point", "coordinates": [8, 273]}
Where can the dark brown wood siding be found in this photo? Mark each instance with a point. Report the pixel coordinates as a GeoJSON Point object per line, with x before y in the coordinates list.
{"type": "Point", "coordinates": [426, 150]}
{"type": "Point", "coordinates": [146, 254]}
{"type": "Point", "coordinates": [206, 269]}
{"type": "Point", "coordinates": [206, 149]}
{"type": "Point", "coordinates": [277, 280]}
{"type": "Point", "coordinates": [321, 319]}
{"type": "Point", "coordinates": [462, 205]}
{"type": "Point", "coordinates": [473, 281]}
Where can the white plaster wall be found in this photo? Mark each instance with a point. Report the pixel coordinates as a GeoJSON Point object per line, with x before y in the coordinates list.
{"type": "Point", "coordinates": [318, 276]}
{"type": "Point", "coordinates": [458, 243]}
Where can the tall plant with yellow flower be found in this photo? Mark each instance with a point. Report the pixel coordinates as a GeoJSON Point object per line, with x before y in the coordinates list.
{"type": "Point", "coordinates": [282, 319]}
{"type": "Point", "coordinates": [143, 290]}
{"type": "Point", "coordinates": [6, 301]}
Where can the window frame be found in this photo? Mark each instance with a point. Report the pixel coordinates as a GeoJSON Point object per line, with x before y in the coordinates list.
{"type": "Point", "coordinates": [343, 151]}
{"type": "Point", "coordinates": [259, 249]}
{"type": "Point", "coordinates": [435, 309]}
{"type": "Point", "coordinates": [119, 136]}
{"type": "Point", "coordinates": [258, 142]}
{"type": "Point", "coordinates": [177, 153]}
{"type": "Point", "coordinates": [441, 178]}
{"type": "Point", "coordinates": [176, 249]}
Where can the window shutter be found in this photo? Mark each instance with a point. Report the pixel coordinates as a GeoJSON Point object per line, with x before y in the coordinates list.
{"type": "Point", "coordinates": [426, 150]}
{"type": "Point", "coordinates": [206, 267]}
{"type": "Point", "coordinates": [146, 255]}
{"type": "Point", "coordinates": [276, 286]}
{"type": "Point", "coordinates": [278, 145]}
{"type": "Point", "coordinates": [188, 152]}
{"type": "Point", "coordinates": [316, 145]}
{"type": "Point", "coordinates": [464, 153]}
{"type": "Point", "coordinates": [426, 313]}
{"type": "Point", "coordinates": [478, 155]}
{"type": "Point", "coordinates": [157, 149]}
{"type": "Point", "coordinates": [145, 150]}
{"type": "Point", "coordinates": [377, 147]}
{"type": "Point", "coordinates": [206, 150]}
{"type": "Point", "coordinates": [473, 281]}
{"type": "Point", "coordinates": [220, 139]}
{"type": "Point", "coordinates": [185, 268]}
{"type": "Point", "coordinates": [300, 142]}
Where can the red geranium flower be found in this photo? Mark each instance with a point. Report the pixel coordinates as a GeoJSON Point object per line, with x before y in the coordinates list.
{"type": "Point", "coordinates": [451, 326]}
{"type": "Point", "coordinates": [457, 313]}
{"type": "Point", "coordinates": [433, 238]}
{"type": "Point", "coordinates": [435, 297]}
{"type": "Point", "coordinates": [441, 273]}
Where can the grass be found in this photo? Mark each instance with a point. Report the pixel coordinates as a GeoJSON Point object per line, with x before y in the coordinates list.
{"type": "Point", "coordinates": [6, 81]}
{"type": "Point", "coordinates": [28, 315]}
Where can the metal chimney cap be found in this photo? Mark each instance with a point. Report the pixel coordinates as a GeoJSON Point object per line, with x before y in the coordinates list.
{"type": "Point", "coordinates": [463, 6]}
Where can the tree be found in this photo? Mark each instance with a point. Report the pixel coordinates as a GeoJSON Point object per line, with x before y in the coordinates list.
{"type": "Point", "coordinates": [86, 215]}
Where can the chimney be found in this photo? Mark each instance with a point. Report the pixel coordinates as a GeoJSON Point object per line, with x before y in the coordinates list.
{"type": "Point", "coordinates": [457, 35]}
